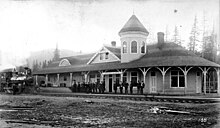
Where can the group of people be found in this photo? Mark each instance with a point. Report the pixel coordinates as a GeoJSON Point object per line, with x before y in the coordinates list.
{"type": "Point", "coordinates": [90, 87]}
{"type": "Point", "coordinates": [140, 86]}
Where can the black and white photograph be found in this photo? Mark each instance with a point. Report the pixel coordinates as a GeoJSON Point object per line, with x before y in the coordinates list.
{"type": "Point", "coordinates": [109, 63]}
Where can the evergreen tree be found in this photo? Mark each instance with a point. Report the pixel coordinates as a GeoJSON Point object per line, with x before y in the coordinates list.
{"type": "Point", "coordinates": [194, 37]}
{"type": "Point", "coordinates": [56, 54]}
{"type": "Point", "coordinates": [176, 36]}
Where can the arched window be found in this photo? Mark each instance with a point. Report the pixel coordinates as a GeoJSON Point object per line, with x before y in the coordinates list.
{"type": "Point", "coordinates": [124, 47]}
{"type": "Point", "coordinates": [133, 47]}
{"type": "Point", "coordinates": [143, 47]}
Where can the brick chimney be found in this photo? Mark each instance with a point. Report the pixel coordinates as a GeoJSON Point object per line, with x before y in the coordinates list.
{"type": "Point", "coordinates": [113, 43]}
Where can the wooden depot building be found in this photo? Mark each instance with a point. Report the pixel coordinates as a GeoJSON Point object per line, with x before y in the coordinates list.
{"type": "Point", "coordinates": [164, 67]}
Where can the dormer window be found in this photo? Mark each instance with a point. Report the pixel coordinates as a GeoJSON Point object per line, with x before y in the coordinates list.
{"type": "Point", "coordinates": [143, 47]}
{"type": "Point", "coordinates": [133, 47]}
{"type": "Point", "coordinates": [124, 47]}
{"type": "Point", "coordinates": [104, 55]}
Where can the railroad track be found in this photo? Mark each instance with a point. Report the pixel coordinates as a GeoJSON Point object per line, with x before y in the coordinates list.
{"type": "Point", "coordinates": [173, 99]}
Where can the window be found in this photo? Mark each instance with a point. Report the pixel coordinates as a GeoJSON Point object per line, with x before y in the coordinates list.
{"type": "Point", "coordinates": [177, 79]}
{"type": "Point", "coordinates": [102, 56]}
{"type": "Point", "coordinates": [48, 78]}
{"type": "Point", "coordinates": [143, 47]}
{"type": "Point", "coordinates": [64, 78]}
{"type": "Point", "coordinates": [117, 78]}
{"type": "Point", "coordinates": [133, 47]}
{"type": "Point", "coordinates": [134, 77]}
{"type": "Point", "coordinates": [106, 55]}
{"type": "Point", "coordinates": [124, 47]}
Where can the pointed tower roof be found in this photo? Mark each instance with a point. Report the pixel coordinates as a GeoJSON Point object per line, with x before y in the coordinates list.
{"type": "Point", "coordinates": [133, 24]}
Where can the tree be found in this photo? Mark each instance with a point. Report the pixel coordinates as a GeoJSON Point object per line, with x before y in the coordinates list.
{"type": "Point", "coordinates": [194, 37]}
{"type": "Point", "coordinates": [56, 54]}
{"type": "Point", "coordinates": [176, 36]}
{"type": "Point", "coordinates": [35, 65]}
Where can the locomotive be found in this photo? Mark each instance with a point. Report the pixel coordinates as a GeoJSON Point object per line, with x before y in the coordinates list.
{"type": "Point", "coordinates": [15, 81]}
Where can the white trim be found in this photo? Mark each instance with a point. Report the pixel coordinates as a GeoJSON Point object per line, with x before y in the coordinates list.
{"type": "Point", "coordinates": [177, 79]}
{"type": "Point", "coordinates": [63, 61]}
{"type": "Point", "coordinates": [93, 57]}
{"type": "Point", "coordinates": [137, 75]}
{"type": "Point", "coordinates": [112, 53]}
{"type": "Point", "coordinates": [123, 47]}
{"type": "Point", "coordinates": [144, 48]}
{"type": "Point", "coordinates": [99, 51]}
{"type": "Point", "coordinates": [111, 73]}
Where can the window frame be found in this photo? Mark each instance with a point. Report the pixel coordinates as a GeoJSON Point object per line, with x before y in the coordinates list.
{"type": "Point", "coordinates": [133, 76]}
{"type": "Point", "coordinates": [144, 46]}
{"type": "Point", "coordinates": [131, 48]}
{"type": "Point", "coordinates": [124, 47]}
{"type": "Point", "coordinates": [178, 78]}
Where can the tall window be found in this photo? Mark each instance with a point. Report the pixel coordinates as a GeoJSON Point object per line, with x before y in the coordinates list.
{"type": "Point", "coordinates": [134, 76]}
{"type": "Point", "coordinates": [117, 78]}
{"type": "Point", "coordinates": [125, 77]}
{"type": "Point", "coordinates": [177, 79]}
{"type": "Point", "coordinates": [102, 56]}
{"type": "Point", "coordinates": [106, 55]}
{"type": "Point", "coordinates": [124, 47]}
{"type": "Point", "coordinates": [133, 47]}
{"type": "Point", "coordinates": [143, 47]}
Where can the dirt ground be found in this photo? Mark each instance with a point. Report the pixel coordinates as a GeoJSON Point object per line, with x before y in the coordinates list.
{"type": "Point", "coordinates": [35, 111]}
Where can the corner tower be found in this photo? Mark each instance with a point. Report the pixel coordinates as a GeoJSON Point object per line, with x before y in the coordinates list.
{"type": "Point", "coordinates": [133, 40]}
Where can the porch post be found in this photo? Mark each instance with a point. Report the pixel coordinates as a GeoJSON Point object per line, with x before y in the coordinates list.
{"type": "Point", "coordinates": [185, 72]}
{"type": "Point", "coordinates": [218, 80]}
{"type": "Point", "coordinates": [121, 75]}
{"type": "Point", "coordinates": [58, 79]}
{"type": "Point", "coordinates": [163, 72]}
{"type": "Point", "coordinates": [86, 76]}
{"type": "Point", "coordinates": [71, 78]}
{"type": "Point", "coordinates": [204, 71]}
{"type": "Point", "coordinates": [36, 79]}
{"type": "Point", "coordinates": [144, 72]}
{"type": "Point", "coordinates": [46, 79]}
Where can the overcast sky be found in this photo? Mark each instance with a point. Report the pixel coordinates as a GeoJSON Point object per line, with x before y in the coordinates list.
{"type": "Point", "coordinates": [85, 25]}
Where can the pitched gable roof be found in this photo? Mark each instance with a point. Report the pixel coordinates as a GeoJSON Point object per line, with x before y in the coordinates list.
{"type": "Point", "coordinates": [74, 60]}
{"type": "Point", "coordinates": [115, 50]}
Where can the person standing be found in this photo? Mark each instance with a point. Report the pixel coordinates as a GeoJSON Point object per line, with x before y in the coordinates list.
{"type": "Point", "coordinates": [121, 87]}
{"type": "Point", "coordinates": [115, 87]}
{"type": "Point", "coordinates": [138, 87]}
{"type": "Point", "coordinates": [126, 87]}
{"type": "Point", "coordinates": [142, 87]}
{"type": "Point", "coordinates": [78, 87]}
{"type": "Point", "coordinates": [131, 87]}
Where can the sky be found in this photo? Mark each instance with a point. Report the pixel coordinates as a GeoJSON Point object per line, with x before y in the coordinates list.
{"type": "Point", "coordinates": [86, 25]}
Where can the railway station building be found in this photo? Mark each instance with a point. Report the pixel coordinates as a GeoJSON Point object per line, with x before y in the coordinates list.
{"type": "Point", "coordinates": [164, 67]}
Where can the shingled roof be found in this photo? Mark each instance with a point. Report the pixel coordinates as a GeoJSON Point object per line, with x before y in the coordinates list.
{"type": "Point", "coordinates": [115, 50]}
{"type": "Point", "coordinates": [168, 54]}
{"type": "Point", "coordinates": [133, 24]}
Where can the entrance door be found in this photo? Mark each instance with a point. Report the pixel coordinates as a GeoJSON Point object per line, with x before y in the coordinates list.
{"type": "Point", "coordinates": [198, 82]}
{"type": "Point", "coordinates": [153, 82]}
{"type": "Point", "coordinates": [110, 83]}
